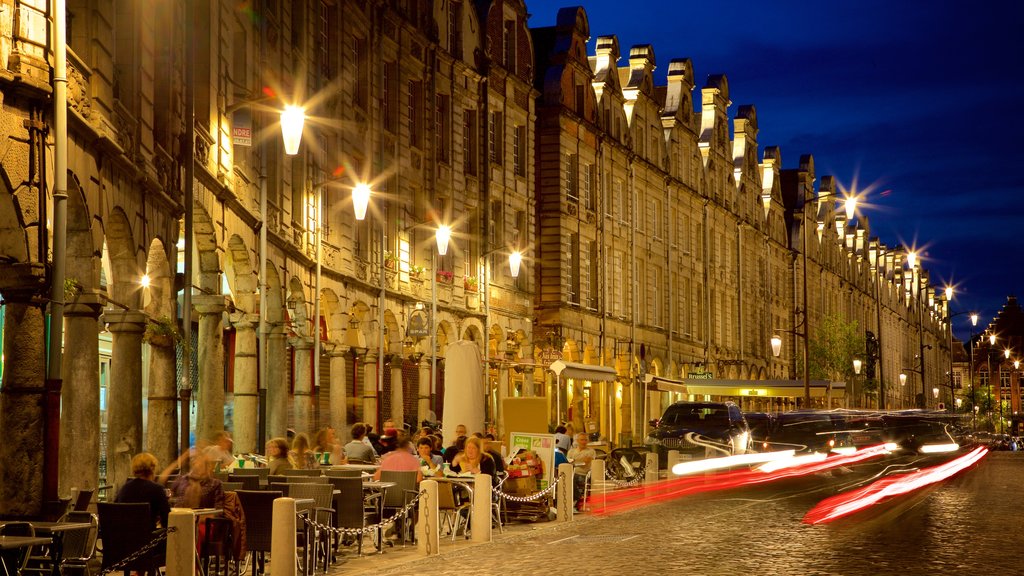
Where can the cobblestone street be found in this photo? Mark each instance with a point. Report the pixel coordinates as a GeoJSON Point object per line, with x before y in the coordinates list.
{"type": "Point", "coordinates": [961, 526]}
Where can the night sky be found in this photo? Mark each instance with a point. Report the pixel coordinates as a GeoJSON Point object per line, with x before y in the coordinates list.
{"type": "Point", "coordinates": [920, 104]}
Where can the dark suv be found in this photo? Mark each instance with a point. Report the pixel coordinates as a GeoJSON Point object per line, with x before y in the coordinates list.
{"type": "Point", "coordinates": [699, 429]}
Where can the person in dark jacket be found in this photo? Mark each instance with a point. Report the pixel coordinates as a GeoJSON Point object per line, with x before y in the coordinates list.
{"type": "Point", "coordinates": [142, 489]}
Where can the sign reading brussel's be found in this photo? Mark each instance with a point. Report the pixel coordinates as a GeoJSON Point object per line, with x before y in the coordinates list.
{"type": "Point", "coordinates": [699, 375]}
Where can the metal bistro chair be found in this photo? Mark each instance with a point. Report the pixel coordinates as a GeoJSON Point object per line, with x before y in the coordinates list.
{"type": "Point", "coordinates": [343, 473]}
{"type": "Point", "coordinates": [300, 472]}
{"type": "Point", "coordinates": [396, 498]}
{"type": "Point", "coordinates": [17, 558]}
{"type": "Point", "coordinates": [82, 500]}
{"type": "Point", "coordinates": [124, 529]}
{"type": "Point", "coordinates": [258, 507]}
{"type": "Point", "coordinates": [249, 482]}
{"type": "Point", "coordinates": [322, 513]}
{"type": "Point", "coordinates": [232, 486]}
{"type": "Point", "coordinates": [451, 511]}
{"type": "Point", "coordinates": [79, 545]}
{"type": "Point", "coordinates": [351, 509]}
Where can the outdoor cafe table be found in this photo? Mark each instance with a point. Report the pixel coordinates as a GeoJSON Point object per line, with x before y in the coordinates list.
{"type": "Point", "coordinates": [382, 488]}
{"type": "Point", "coordinates": [56, 531]}
{"type": "Point", "coordinates": [15, 542]}
{"type": "Point", "coordinates": [361, 467]}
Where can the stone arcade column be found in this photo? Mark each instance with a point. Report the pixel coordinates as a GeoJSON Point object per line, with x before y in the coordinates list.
{"type": "Point", "coordinates": [124, 392]}
{"type": "Point", "coordinates": [370, 390]}
{"type": "Point", "coordinates": [80, 395]}
{"type": "Point", "coordinates": [397, 392]}
{"type": "Point", "coordinates": [21, 397]}
{"type": "Point", "coordinates": [499, 410]}
{"type": "Point", "coordinates": [210, 404]}
{"type": "Point", "coordinates": [337, 399]}
{"type": "Point", "coordinates": [303, 370]}
{"type": "Point", "coordinates": [277, 382]}
{"type": "Point", "coordinates": [162, 414]}
{"type": "Point", "coordinates": [423, 406]}
{"type": "Point", "coordinates": [246, 394]}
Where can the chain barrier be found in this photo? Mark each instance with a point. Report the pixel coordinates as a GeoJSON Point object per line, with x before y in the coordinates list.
{"type": "Point", "coordinates": [145, 549]}
{"type": "Point", "coordinates": [531, 497]}
{"type": "Point", "coordinates": [402, 513]}
{"type": "Point", "coordinates": [638, 477]}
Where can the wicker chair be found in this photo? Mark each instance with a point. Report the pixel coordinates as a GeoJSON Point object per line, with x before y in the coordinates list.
{"type": "Point", "coordinates": [397, 497]}
{"type": "Point", "coordinates": [350, 507]}
{"type": "Point", "coordinates": [249, 481]}
{"type": "Point", "coordinates": [258, 507]}
{"type": "Point", "coordinates": [124, 529]}
{"type": "Point", "coordinates": [343, 473]}
{"type": "Point", "coordinates": [300, 472]}
{"type": "Point", "coordinates": [322, 512]}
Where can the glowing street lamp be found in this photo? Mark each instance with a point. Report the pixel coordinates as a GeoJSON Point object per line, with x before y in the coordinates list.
{"type": "Point", "coordinates": [360, 200]}
{"type": "Point", "coordinates": [145, 281]}
{"type": "Point", "coordinates": [443, 235]}
{"type": "Point", "coordinates": [856, 366]}
{"type": "Point", "coordinates": [514, 260]}
{"type": "Point", "coordinates": [292, 119]}
{"type": "Point", "coordinates": [850, 205]}
{"type": "Point", "coordinates": [776, 346]}
{"type": "Point", "coordinates": [903, 379]}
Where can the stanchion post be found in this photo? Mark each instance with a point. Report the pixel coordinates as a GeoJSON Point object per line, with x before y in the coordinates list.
{"type": "Point", "coordinates": [282, 537]}
{"type": "Point", "coordinates": [563, 498]}
{"type": "Point", "coordinates": [598, 483]}
{"type": "Point", "coordinates": [428, 527]}
{"type": "Point", "coordinates": [181, 543]}
{"type": "Point", "coordinates": [651, 468]}
{"type": "Point", "coordinates": [673, 459]}
{"type": "Point", "coordinates": [480, 524]}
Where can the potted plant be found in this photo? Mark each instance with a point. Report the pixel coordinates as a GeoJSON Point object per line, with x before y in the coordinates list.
{"type": "Point", "coordinates": [445, 276]}
{"type": "Point", "coordinates": [470, 283]}
{"type": "Point", "coordinates": [416, 271]}
{"type": "Point", "coordinates": [161, 332]}
{"type": "Point", "coordinates": [390, 260]}
{"type": "Point", "coordinates": [72, 288]}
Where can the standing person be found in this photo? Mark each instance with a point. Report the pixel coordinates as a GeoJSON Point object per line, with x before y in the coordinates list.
{"type": "Point", "coordinates": [302, 457]}
{"type": "Point", "coordinates": [277, 456]}
{"type": "Point", "coordinates": [143, 489]}
{"type": "Point", "coordinates": [357, 449]}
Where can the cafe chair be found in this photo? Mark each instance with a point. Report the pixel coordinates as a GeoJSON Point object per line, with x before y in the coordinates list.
{"type": "Point", "coordinates": [352, 511]}
{"type": "Point", "coordinates": [300, 472]}
{"type": "Point", "coordinates": [453, 514]}
{"type": "Point", "coordinates": [343, 473]}
{"type": "Point", "coordinates": [249, 482]}
{"type": "Point", "coordinates": [323, 512]}
{"type": "Point", "coordinates": [218, 546]}
{"type": "Point", "coordinates": [397, 497]}
{"type": "Point", "coordinates": [82, 500]}
{"type": "Point", "coordinates": [124, 529]}
{"type": "Point", "coordinates": [79, 545]}
{"type": "Point", "coordinates": [15, 560]}
{"type": "Point", "coordinates": [258, 507]}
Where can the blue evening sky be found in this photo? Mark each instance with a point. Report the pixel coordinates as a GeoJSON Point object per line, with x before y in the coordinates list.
{"type": "Point", "coordinates": [921, 101]}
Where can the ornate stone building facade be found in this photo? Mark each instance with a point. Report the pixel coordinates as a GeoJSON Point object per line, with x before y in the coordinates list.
{"type": "Point", "coordinates": [657, 241]}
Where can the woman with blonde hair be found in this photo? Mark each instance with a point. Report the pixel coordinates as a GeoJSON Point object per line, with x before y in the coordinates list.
{"type": "Point", "coordinates": [473, 459]}
{"type": "Point", "coordinates": [302, 456]}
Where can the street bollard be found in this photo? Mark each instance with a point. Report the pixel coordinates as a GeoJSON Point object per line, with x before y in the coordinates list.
{"type": "Point", "coordinates": [563, 498]}
{"type": "Point", "coordinates": [651, 468]}
{"type": "Point", "coordinates": [282, 537]}
{"type": "Point", "coordinates": [598, 483]}
{"type": "Point", "coordinates": [181, 543]}
{"type": "Point", "coordinates": [673, 459]}
{"type": "Point", "coordinates": [480, 523]}
{"type": "Point", "coordinates": [428, 527]}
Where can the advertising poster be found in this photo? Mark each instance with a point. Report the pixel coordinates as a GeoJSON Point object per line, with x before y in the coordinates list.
{"type": "Point", "coordinates": [543, 445]}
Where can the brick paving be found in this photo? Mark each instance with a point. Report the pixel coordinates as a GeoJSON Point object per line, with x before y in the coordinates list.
{"type": "Point", "coordinates": [962, 526]}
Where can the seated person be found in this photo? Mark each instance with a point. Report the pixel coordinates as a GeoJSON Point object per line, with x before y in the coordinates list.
{"type": "Point", "coordinates": [452, 451]}
{"type": "Point", "coordinates": [400, 459]}
{"type": "Point", "coordinates": [358, 449]}
{"type": "Point", "coordinates": [474, 460]}
{"type": "Point", "coordinates": [430, 463]}
{"type": "Point", "coordinates": [142, 489]}
{"type": "Point", "coordinates": [327, 442]}
{"type": "Point", "coordinates": [277, 456]}
{"type": "Point", "coordinates": [198, 488]}
{"type": "Point", "coordinates": [562, 439]}
{"type": "Point", "coordinates": [302, 455]}
{"type": "Point", "coordinates": [560, 458]}
{"type": "Point", "coordinates": [220, 451]}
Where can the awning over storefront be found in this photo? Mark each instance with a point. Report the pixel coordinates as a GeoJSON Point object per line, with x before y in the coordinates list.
{"type": "Point", "coordinates": [755, 388]}
{"type": "Point", "coordinates": [762, 388]}
{"type": "Point", "coordinates": [578, 371]}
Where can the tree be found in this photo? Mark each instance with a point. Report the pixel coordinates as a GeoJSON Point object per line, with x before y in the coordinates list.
{"type": "Point", "coordinates": [832, 350]}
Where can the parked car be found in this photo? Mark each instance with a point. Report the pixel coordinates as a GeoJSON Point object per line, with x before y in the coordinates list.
{"type": "Point", "coordinates": [808, 431]}
{"type": "Point", "coordinates": [699, 429]}
{"type": "Point", "coordinates": [761, 425]}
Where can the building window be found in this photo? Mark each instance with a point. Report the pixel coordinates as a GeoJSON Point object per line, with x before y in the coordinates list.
{"type": "Point", "coordinates": [623, 200]}
{"type": "Point", "coordinates": [983, 377]}
{"type": "Point", "coordinates": [389, 98]}
{"type": "Point", "coordinates": [455, 29]}
{"type": "Point", "coordinates": [572, 185]}
{"type": "Point", "coordinates": [518, 158]}
{"type": "Point", "coordinates": [958, 379]}
{"type": "Point", "coordinates": [1004, 380]}
{"type": "Point", "coordinates": [581, 99]}
{"type": "Point", "coordinates": [593, 280]}
{"type": "Point", "coordinates": [574, 268]}
{"type": "Point", "coordinates": [469, 146]}
{"type": "Point", "coordinates": [509, 45]}
{"type": "Point", "coordinates": [589, 187]}
{"type": "Point", "coordinates": [361, 89]}
{"type": "Point", "coordinates": [443, 126]}
{"type": "Point", "coordinates": [415, 114]}
{"type": "Point", "coordinates": [495, 139]}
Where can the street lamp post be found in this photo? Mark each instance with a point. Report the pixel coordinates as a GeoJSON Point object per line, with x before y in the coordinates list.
{"type": "Point", "coordinates": [515, 259]}
{"type": "Point", "coordinates": [903, 388]}
{"type": "Point", "coordinates": [856, 372]}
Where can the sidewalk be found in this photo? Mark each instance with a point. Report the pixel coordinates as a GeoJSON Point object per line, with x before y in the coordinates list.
{"type": "Point", "coordinates": [399, 560]}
